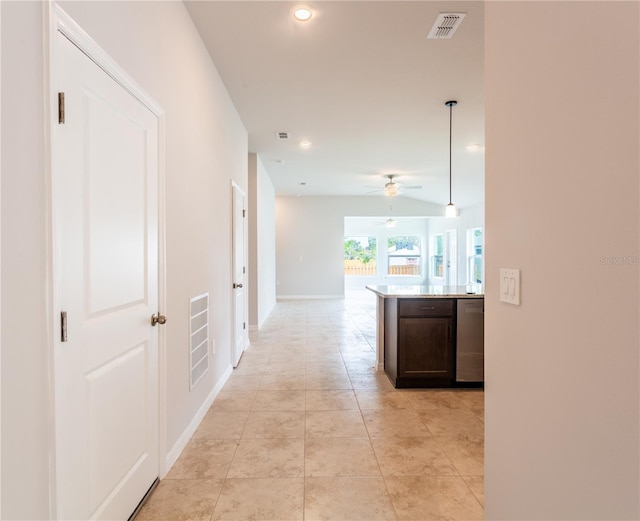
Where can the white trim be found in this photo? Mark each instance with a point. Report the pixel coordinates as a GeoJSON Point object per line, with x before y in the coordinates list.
{"type": "Point", "coordinates": [309, 297]}
{"type": "Point", "coordinates": [1, 255]}
{"type": "Point", "coordinates": [69, 28]}
{"type": "Point", "coordinates": [57, 20]}
{"type": "Point", "coordinates": [49, 31]}
{"type": "Point", "coordinates": [162, 292]}
{"type": "Point", "coordinates": [186, 435]}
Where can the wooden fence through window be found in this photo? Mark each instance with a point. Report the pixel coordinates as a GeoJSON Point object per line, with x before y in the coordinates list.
{"type": "Point", "coordinates": [355, 267]}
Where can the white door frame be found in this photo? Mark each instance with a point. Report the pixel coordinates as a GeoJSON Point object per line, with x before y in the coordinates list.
{"type": "Point", "coordinates": [245, 333]}
{"type": "Point", "coordinates": [59, 21]}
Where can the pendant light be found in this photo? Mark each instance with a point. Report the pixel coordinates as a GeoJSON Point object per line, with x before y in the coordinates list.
{"type": "Point", "coordinates": [450, 209]}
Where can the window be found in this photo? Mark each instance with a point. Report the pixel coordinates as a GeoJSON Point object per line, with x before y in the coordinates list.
{"type": "Point", "coordinates": [437, 257]}
{"type": "Point", "coordinates": [360, 256]}
{"type": "Point", "coordinates": [475, 260]}
{"type": "Point", "coordinates": [404, 256]}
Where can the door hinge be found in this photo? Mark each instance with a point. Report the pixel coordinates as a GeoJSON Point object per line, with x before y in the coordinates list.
{"type": "Point", "coordinates": [244, 270]}
{"type": "Point", "coordinates": [244, 213]}
{"type": "Point", "coordinates": [61, 108]}
{"type": "Point", "coordinates": [244, 325]}
{"type": "Point", "coordinates": [63, 326]}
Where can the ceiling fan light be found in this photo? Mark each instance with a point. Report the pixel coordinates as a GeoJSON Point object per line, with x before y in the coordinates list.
{"type": "Point", "coordinates": [450, 211]}
{"type": "Point", "coordinates": [390, 189]}
{"type": "Point", "coordinates": [390, 223]}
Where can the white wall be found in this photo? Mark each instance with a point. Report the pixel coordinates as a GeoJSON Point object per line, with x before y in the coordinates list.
{"type": "Point", "coordinates": [310, 235]}
{"type": "Point", "coordinates": [206, 147]}
{"type": "Point", "coordinates": [472, 217]}
{"type": "Point", "coordinates": [262, 243]}
{"type": "Point", "coordinates": [562, 193]}
{"type": "Point", "coordinates": [25, 402]}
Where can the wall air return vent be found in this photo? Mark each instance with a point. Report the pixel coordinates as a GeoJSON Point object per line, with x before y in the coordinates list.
{"type": "Point", "coordinates": [445, 25]}
{"type": "Point", "coordinates": [199, 334]}
{"type": "Point", "coordinates": [282, 136]}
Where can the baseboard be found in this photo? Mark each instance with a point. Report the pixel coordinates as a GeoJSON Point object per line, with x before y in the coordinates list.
{"type": "Point", "coordinates": [307, 297]}
{"type": "Point", "coordinates": [186, 435]}
{"type": "Point", "coordinates": [380, 366]}
{"type": "Point", "coordinates": [254, 329]}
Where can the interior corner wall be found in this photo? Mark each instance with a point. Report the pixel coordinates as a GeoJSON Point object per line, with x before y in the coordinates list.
{"type": "Point", "coordinates": [310, 238]}
{"type": "Point", "coordinates": [262, 243]}
{"type": "Point", "coordinates": [562, 205]}
{"type": "Point", "coordinates": [205, 148]}
{"type": "Point", "coordinates": [252, 230]}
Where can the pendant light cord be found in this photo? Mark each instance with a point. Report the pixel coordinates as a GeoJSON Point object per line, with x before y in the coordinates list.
{"type": "Point", "coordinates": [450, 138]}
{"type": "Point", "coordinates": [450, 104]}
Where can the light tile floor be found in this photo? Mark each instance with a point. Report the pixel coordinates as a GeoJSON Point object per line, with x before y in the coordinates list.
{"type": "Point", "coordinates": [306, 429]}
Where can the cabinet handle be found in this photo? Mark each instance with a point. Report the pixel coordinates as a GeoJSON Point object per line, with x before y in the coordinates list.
{"type": "Point", "coordinates": [450, 331]}
{"type": "Point", "coordinates": [426, 308]}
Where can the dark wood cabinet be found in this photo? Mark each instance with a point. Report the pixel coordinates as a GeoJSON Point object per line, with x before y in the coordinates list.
{"type": "Point", "coordinates": [425, 347]}
{"type": "Point", "coordinates": [419, 342]}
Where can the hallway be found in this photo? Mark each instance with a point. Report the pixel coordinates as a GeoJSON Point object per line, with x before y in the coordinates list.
{"type": "Point", "coordinates": [306, 429]}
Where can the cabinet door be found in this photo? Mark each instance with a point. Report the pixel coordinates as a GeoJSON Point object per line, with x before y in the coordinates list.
{"type": "Point", "coordinates": [426, 347]}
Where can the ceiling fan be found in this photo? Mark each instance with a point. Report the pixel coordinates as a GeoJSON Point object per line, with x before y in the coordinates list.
{"type": "Point", "coordinates": [389, 223]}
{"type": "Point", "coordinates": [392, 187]}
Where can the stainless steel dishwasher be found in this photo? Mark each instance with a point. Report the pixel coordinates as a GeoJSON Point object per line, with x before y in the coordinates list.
{"type": "Point", "coordinates": [470, 340]}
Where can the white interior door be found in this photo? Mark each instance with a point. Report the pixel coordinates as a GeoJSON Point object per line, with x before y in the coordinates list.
{"type": "Point", "coordinates": [239, 273]}
{"type": "Point", "coordinates": [105, 201]}
{"type": "Point", "coordinates": [450, 257]}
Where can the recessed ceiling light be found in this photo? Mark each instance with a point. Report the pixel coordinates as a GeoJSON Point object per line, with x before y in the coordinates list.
{"type": "Point", "coordinates": [302, 14]}
{"type": "Point", "coordinates": [305, 144]}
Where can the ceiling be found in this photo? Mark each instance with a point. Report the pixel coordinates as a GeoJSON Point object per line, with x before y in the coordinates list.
{"type": "Point", "coordinates": [361, 82]}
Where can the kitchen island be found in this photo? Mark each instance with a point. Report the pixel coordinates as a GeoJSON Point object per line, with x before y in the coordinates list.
{"type": "Point", "coordinates": [430, 336]}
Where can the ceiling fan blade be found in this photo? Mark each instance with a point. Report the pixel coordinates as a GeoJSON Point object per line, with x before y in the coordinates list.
{"type": "Point", "coordinates": [414, 187]}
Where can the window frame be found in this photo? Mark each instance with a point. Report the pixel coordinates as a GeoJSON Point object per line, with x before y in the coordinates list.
{"type": "Point", "coordinates": [418, 256]}
{"type": "Point", "coordinates": [474, 256]}
{"type": "Point", "coordinates": [372, 248]}
{"type": "Point", "coordinates": [433, 272]}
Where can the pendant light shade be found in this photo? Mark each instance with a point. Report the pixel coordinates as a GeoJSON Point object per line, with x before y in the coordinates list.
{"type": "Point", "coordinates": [450, 209]}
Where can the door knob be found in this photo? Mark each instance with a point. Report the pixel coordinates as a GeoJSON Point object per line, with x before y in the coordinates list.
{"type": "Point", "coordinates": [158, 319]}
{"type": "Point", "coordinates": [236, 285]}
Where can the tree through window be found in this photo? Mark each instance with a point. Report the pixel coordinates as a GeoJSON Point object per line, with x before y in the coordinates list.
{"type": "Point", "coordinates": [360, 256]}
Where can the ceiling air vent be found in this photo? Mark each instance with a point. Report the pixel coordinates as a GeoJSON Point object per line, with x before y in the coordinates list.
{"type": "Point", "coordinates": [445, 25]}
{"type": "Point", "coordinates": [282, 135]}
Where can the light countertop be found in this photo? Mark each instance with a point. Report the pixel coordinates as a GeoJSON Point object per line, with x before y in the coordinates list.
{"type": "Point", "coordinates": [399, 291]}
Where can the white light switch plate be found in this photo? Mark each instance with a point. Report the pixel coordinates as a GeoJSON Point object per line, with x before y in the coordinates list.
{"type": "Point", "coordinates": [510, 286]}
